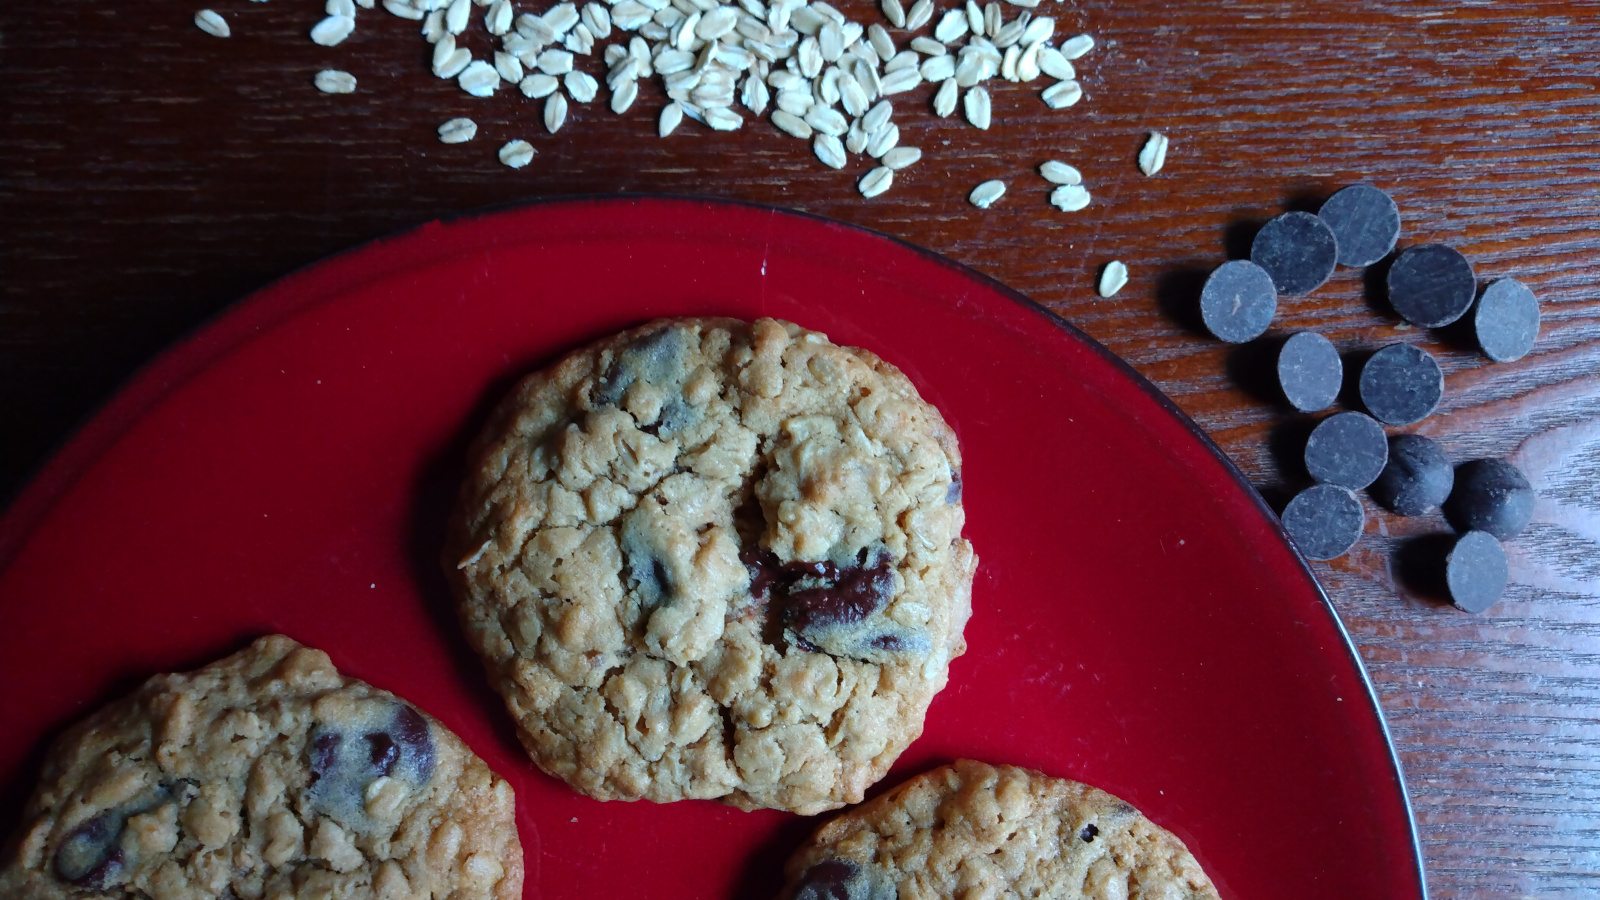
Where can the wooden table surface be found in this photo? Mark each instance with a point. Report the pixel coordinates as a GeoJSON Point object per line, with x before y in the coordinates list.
{"type": "Point", "coordinates": [151, 174]}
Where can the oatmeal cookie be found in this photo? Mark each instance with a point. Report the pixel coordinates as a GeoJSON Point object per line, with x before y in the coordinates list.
{"type": "Point", "coordinates": [976, 830]}
{"type": "Point", "coordinates": [715, 559]}
{"type": "Point", "coordinates": [264, 776]}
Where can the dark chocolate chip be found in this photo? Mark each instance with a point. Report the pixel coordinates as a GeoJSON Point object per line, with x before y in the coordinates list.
{"type": "Point", "coordinates": [384, 752]}
{"type": "Point", "coordinates": [857, 594]}
{"type": "Point", "coordinates": [842, 879]}
{"type": "Point", "coordinates": [1431, 285]}
{"type": "Point", "coordinates": [1324, 521]}
{"type": "Point", "coordinates": [1348, 449]}
{"type": "Point", "coordinates": [1088, 833]}
{"type": "Point", "coordinates": [1476, 571]}
{"type": "Point", "coordinates": [411, 730]}
{"type": "Point", "coordinates": [1494, 496]}
{"type": "Point", "coordinates": [1298, 250]}
{"type": "Point", "coordinates": [1366, 222]}
{"type": "Point", "coordinates": [1310, 372]}
{"type": "Point", "coordinates": [324, 753]}
{"type": "Point", "coordinates": [89, 856]}
{"type": "Point", "coordinates": [1507, 320]}
{"type": "Point", "coordinates": [1238, 301]}
{"type": "Point", "coordinates": [1401, 384]}
{"type": "Point", "coordinates": [1417, 478]}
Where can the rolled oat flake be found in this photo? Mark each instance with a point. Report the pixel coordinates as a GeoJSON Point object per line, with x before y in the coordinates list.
{"type": "Point", "coordinates": [1507, 320]}
{"type": "Point", "coordinates": [1310, 371]}
{"type": "Point", "coordinates": [1431, 285]}
{"type": "Point", "coordinates": [1298, 250]}
{"type": "Point", "coordinates": [1476, 572]}
{"type": "Point", "coordinates": [1238, 301]}
{"type": "Point", "coordinates": [1324, 521]}
{"type": "Point", "coordinates": [1366, 222]}
{"type": "Point", "coordinates": [1348, 449]}
{"type": "Point", "coordinates": [1401, 384]}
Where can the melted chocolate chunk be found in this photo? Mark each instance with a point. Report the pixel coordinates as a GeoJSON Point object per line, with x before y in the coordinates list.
{"type": "Point", "coordinates": [765, 571]}
{"type": "Point", "coordinates": [952, 494]}
{"type": "Point", "coordinates": [412, 731]}
{"type": "Point", "coordinates": [1089, 832]}
{"type": "Point", "coordinates": [841, 879]}
{"type": "Point", "coordinates": [89, 856]}
{"type": "Point", "coordinates": [384, 753]}
{"type": "Point", "coordinates": [651, 359]}
{"type": "Point", "coordinates": [887, 642]}
{"type": "Point", "coordinates": [324, 753]}
{"type": "Point", "coordinates": [857, 594]}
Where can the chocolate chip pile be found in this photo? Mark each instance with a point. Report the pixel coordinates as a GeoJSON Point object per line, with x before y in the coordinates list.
{"type": "Point", "coordinates": [1429, 285]}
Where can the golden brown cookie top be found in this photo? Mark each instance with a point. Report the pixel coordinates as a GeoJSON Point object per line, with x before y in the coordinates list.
{"type": "Point", "coordinates": [264, 775]}
{"type": "Point", "coordinates": [975, 830]}
{"type": "Point", "coordinates": [708, 558]}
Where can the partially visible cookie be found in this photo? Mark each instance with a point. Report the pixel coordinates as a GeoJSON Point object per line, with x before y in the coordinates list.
{"type": "Point", "coordinates": [715, 559]}
{"type": "Point", "coordinates": [264, 776]}
{"type": "Point", "coordinates": [976, 830]}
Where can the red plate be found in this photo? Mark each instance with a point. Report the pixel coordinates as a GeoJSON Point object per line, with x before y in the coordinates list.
{"type": "Point", "coordinates": [1140, 622]}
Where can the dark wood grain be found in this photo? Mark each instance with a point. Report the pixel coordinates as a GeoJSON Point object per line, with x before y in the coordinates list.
{"type": "Point", "coordinates": [153, 174]}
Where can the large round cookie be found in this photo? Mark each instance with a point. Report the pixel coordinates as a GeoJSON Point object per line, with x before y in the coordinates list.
{"type": "Point", "coordinates": [264, 776]}
{"type": "Point", "coordinates": [707, 558]}
{"type": "Point", "coordinates": [976, 830]}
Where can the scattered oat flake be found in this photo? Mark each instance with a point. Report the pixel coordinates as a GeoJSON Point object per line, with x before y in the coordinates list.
{"type": "Point", "coordinates": [876, 182]}
{"type": "Point", "coordinates": [976, 104]}
{"type": "Point", "coordinates": [479, 79]}
{"type": "Point", "coordinates": [1057, 172]}
{"type": "Point", "coordinates": [334, 81]}
{"type": "Point", "coordinates": [1075, 47]}
{"type": "Point", "coordinates": [984, 195]}
{"type": "Point", "coordinates": [1113, 277]}
{"type": "Point", "coordinates": [1070, 197]}
{"type": "Point", "coordinates": [1062, 94]}
{"type": "Point", "coordinates": [458, 131]}
{"type": "Point", "coordinates": [671, 116]}
{"type": "Point", "coordinates": [1154, 153]}
{"type": "Point", "coordinates": [211, 23]}
{"type": "Point", "coordinates": [332, 31]}
{"type": "Point", "coordinates": [555, 112]}
{"type": "Point", "coordinates": [517, 154]}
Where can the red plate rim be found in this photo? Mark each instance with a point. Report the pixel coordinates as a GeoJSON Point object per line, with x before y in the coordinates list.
{"type": "Point", "coordinates": [323, 280]}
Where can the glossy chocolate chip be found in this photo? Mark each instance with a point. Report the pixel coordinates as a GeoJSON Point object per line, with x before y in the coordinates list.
{"type": "Point", "coordinates": [384, 752]}
{"type": "Point", "coordinates": [1494, 496]}
{"type": "Point", "coordinates": [856, 594]}
{"type": "Point", "coordinates": [1366, 222]}
{"type": "Point", "coordinates": [1417, 478]}
{"type": "Point", "coordinates": [1310, 371]}
{"type": "Point", "coordinates": [1507, 320]}
{"type": "Point", "coordinates": [1238, 301]}
{"type": "Point", "coordinates": [1431, 285]}
{"type": "Point", "coordinates": [1348, 449]}
{"type": "Point", "coordinates": [842, 879]}
{"type": "Point", "coordinates": [1324, 521]}
{"type": "Point", "coordinates": [1298, 250]}
{"type": "Point", "coordinates": [89, 856]}
{"type": "Point", "coordinates": [1476, 571]}
{"type": "Point", "coordinates": [1088, 833]}
{"type": "Point", "coordinates": [1401, 384]}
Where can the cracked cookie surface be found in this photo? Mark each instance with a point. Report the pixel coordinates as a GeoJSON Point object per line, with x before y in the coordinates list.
{"type": "Point", "coordinates": [264, 776]}
{"type": "Point", "coordinates": [975, 830]}
{"type": "Point", "coordinates": [715, 559]}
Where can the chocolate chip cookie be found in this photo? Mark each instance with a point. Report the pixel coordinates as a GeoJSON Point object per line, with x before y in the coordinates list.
{"type": "Point", "coordinates": [264, 776]}
{"type": "Point", "coordinates": [976, 830]}
{"type": "Point", "coordinates": [708, 558]}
